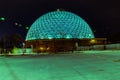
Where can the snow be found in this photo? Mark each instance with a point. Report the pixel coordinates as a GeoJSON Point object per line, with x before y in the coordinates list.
{"type": "Point", "coordinates": [80, 65]}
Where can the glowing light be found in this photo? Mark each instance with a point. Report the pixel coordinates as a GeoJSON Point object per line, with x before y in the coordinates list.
{"type": "Point", "coordinates": [49, 37]}
{"type": "Point", "coordinates": [41, 48]}
{"type": "Point", "coordinates": [68, 36]}
{"type": "Point", "coordinates": [58, 9]}
{"type": "Point", "coordinates": [2, 18]}
{"type": "Point", "coordinates": [15, 50]}
{"type": "Point", "coordinates": [59, 24]}
{"type": "Point", "coordinates": [59, 36]}
{"type": "Point", "coordinates": [93, 41]}
{"type": "Point", "coordinates": [48, 48]}
{"type": "Point", "coordinates": [15, 23]}
{"type": "Point", "coordinates": [27, 27]}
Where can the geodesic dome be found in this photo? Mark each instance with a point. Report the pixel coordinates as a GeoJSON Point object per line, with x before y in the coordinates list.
{"type": "Point", "coordinates": [59, 24]}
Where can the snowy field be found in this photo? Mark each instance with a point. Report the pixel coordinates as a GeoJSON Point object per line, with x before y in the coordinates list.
{"type": "Point", "coordinates": [85, 65]}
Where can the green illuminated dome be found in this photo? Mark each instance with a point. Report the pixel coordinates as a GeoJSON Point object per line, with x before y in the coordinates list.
{"type": "Point", "coordinates": [59, 24]}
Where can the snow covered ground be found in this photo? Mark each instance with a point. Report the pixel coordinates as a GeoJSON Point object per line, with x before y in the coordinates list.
{"type": "Point", "coordinates": [85, 65]}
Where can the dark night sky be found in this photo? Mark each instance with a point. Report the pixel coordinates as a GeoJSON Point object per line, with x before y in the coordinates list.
{"type": "Point", "coordinates": [102, 15]}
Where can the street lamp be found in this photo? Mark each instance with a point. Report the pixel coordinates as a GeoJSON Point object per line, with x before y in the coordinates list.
{"type": "Point", "coordinates": [92, 42]}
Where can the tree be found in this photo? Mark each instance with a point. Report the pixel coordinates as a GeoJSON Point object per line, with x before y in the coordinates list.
{"type": "Point", "coordinates": [8, 42]}
{"type": "Point", "coordinates": [16, 40]}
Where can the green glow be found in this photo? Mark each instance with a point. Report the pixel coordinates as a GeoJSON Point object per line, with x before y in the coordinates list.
{"type": "Point", "coordinates": [59, 36]}
{"type": "Point", "coordinates": [15, 50]}
{"type": "Point", "coordinates": [27, 28]}
{"type": "Point", "coordinates": [50, 37]}
{"type": "Point", "coordinates": [2, 18]}
{"type": "Point", "coordinates": [59, 24]}
{"type": "Point", "coordinates": [68, 36]}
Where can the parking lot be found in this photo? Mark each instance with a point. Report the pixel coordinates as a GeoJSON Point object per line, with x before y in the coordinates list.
{"type": "Point", "coordinates": [70, 66]}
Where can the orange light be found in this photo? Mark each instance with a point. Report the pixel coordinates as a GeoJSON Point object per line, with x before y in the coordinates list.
{"type": "Point", "coordinates": [48, 48]}
{"type": "Point", "coordinates": [93, 41]}
{"type": "Point", "coordinates": [41, 48]}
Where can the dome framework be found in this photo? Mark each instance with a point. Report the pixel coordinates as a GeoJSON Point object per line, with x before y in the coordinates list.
{"type": "Point", "coordinates": [59, 24]}
{"type": "Point", "coordinates": [57, 31]}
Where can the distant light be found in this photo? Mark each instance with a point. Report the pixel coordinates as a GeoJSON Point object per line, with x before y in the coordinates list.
{"type": "Point", "coordinates": [41, 48]}
{"type": "Point", "coordinates": [58, 9]}
{"type": "Point", "coordinates": [93, 41]}
{"type": "Point", "coordinates": [20, 25]}
{"type": "Point", "coordinates": [15, 23]}
{"type": "Point", "coordinates": [68, 36]}
{"type": "Point", "coordinates": [50, 37]}
{"type": "Point", "coordinates": [2, 18]}
{"type": "Point", "coordinates": [27, 27]}
{"type": "Point", "coordinates": [48, 48]}
{"type": "Point", "coordinates": [89, 35]}
{"type": "Point", "coordinates": [59, 36]}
